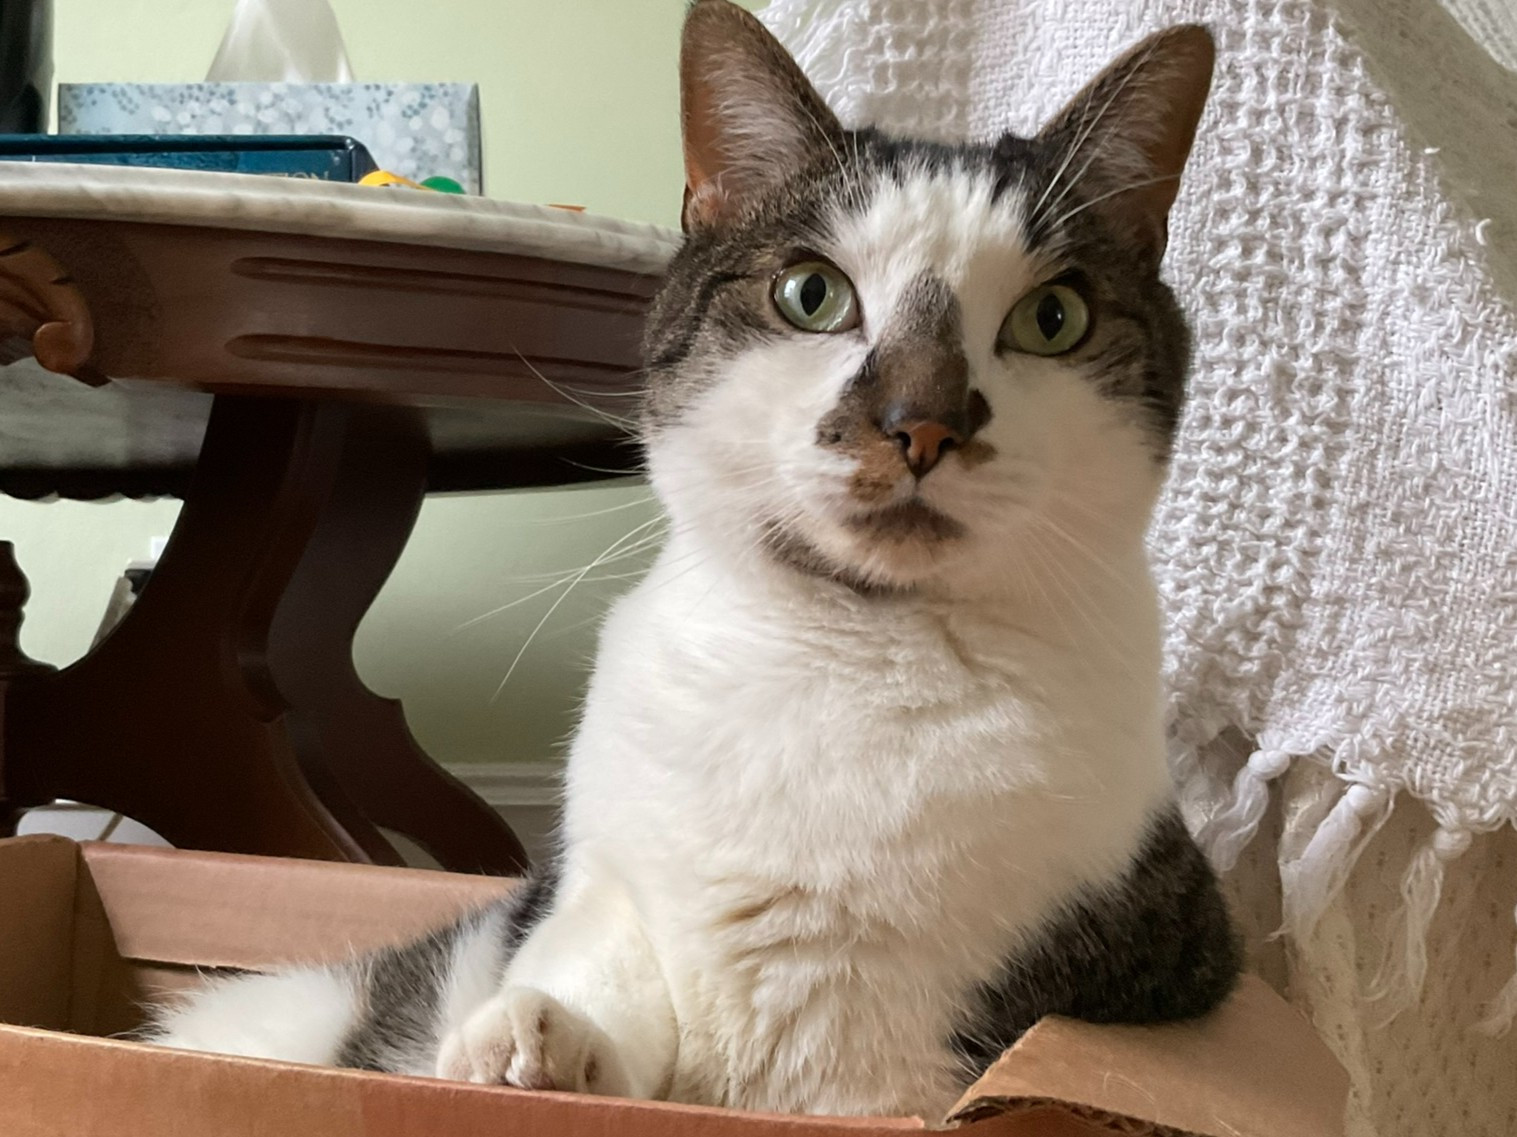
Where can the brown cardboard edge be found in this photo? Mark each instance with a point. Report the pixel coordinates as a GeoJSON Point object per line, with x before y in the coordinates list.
{"type": "Point", "coordinates": [1050, 1117]}
{"type": "Point", "coordinates": [94, 964]}
{"type": "Point", "coordinates": [39, 876]}
{"type": "Point", "coordinates": [62, 1084]}
{"type": "Point", "coordinates": [1254, 1068]}
{"type": "Point", "coordinates": [226, 910]}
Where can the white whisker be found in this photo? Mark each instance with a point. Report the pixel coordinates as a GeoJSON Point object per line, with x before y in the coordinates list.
{"type": "Point", "coordinates": [622, 424]}
{"type": "Point", "coordinates": [559, 519]}
{"type": "Point", "coordinates": [1079, 142]}
{"type": "Point", "coordinates": [548, 615]}
{"type": "Point", "coordinates": [1083, 206]}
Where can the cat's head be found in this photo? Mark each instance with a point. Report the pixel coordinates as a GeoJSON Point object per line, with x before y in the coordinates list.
{"type": "Point", "coordinates": [892, 362]}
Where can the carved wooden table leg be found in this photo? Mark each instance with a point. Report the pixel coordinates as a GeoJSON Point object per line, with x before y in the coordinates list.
{"type": "Point", "coordinates": [341, 729]}
{"type": "Point", "coordinates": [225, 712]}
{"type": "Point", "coordinates": [175, 718]}
{"type": "Point", "coordinates": [15, 667]}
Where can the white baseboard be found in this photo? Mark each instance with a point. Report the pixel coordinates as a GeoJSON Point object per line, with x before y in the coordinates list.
{"type": "Point", "coordinates": [526, 794]}
{"type": "Point", "coordinates": [514, 784]}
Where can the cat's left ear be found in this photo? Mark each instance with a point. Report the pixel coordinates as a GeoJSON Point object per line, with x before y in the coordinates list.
{"type": "Point", "coordinates": [1132, 129]}
{"type": "Point", "coordinates": [751, 118]}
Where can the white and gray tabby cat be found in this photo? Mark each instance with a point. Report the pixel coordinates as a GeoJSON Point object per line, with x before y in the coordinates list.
{"type": "Point", "coordinates": [871, 772]}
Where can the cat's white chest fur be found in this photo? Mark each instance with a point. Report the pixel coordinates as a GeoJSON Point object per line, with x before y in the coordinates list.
{"type": "Point", "coordinates": [835, 815]}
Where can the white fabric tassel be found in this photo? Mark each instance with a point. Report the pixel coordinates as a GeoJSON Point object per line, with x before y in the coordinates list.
{"type": "Point", "coordinates": [1184, 763]}
{"type": "Point", "coordinates": [1197, 790]}
{"type": "Point", "coordinates": [1502, 1010]}
{"type": "Point", "coordinates": [1310, 882]}
{"type": "Point", "coordinates": [1398, 981]}
{"type": "Point", "coordinates": [1226, 835]}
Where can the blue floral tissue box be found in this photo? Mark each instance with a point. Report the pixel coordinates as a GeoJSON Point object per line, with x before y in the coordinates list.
{"type": "Point", "coordinates": [417, 130]}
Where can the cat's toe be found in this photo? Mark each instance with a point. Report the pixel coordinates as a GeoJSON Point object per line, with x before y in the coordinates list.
{"type": "Point", "coordinates": [530, 1040]}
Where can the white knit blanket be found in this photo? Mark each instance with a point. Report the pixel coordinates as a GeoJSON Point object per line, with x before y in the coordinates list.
{"type": "Point", "coordinates": [1337, 546]}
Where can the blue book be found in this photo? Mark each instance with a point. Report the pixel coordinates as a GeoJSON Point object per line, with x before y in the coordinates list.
{"type": "Point", "coordinates": [328, 158]}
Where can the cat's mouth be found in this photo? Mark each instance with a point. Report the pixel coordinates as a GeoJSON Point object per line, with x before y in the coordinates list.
{"type": "Point", "coordinates": [873, 551]}
{"type": "Point", "coordinates": [911, 520]}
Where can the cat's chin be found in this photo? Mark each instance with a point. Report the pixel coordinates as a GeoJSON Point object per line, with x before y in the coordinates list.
{"type": "Point", "coordinates": [912, 522]}
{"type": "Point", "coordinates": [892, 549]}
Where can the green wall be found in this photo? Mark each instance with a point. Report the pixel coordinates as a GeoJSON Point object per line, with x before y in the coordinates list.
{"type": "Point", "coordinates": [579, 104]}
{"type": "Point", "coordinates": [578, 98]}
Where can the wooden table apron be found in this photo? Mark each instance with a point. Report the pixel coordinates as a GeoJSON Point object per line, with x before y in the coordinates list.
{"type": "Point", "coordinates": [224, 711]}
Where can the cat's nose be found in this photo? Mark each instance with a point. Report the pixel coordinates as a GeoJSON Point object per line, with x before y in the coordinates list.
{"type": "Point", "coordinates": [923, 442]}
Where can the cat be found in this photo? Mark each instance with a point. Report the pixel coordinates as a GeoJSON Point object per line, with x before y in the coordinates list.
{"type": "Point", "coordinates": [870, 774]}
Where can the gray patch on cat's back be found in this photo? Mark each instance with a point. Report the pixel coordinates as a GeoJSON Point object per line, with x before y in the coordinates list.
{"type": "Point", "coordinates": [401, 994]}
{"type": "Point", "coordinates": [397, 1025]}
{"type": "Point", "coordinates": [1156, 945]}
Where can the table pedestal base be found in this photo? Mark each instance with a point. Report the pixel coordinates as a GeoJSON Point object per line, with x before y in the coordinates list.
{"type": "Point", "coordinates": [224, 711]}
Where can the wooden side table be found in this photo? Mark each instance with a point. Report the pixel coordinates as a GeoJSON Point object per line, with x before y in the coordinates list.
{"type": "Point", "coordinates": [300, 362]}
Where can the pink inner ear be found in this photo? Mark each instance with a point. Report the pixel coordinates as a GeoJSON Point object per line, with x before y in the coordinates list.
{"type": "Point", "coordinates": [699, 134]}
{"type": "Point", "coordinates": [703, 154]}
{"type": "Point", "coordinates": [703, 203]}
{"type": "Point", "coordinates": [1158, 88]}
{"type": "Point", "coordinates": [748, 112]}
{"type": "Point", "coordinates": [702, 129]}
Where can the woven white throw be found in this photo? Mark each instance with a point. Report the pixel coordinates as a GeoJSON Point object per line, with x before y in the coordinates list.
{"type": "Point", "coordinates": [1337, 547]}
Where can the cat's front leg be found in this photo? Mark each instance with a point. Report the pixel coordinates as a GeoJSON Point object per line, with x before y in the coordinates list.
{"type": "Point", "coordinates": [583, 1006]}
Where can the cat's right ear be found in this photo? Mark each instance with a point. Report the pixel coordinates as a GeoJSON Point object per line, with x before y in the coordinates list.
{"type": "Point", "coordinates": [1132, 128]}
{"type": "Point", "coordinates": [750, 116]}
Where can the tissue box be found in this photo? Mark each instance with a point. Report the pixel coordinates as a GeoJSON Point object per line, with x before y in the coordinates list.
{"type": "Point", "coordinates": [417, 130]}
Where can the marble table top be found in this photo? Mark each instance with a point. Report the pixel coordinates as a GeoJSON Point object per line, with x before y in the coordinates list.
{"type": "Point", "coordinates": [149, 432]}
{"type": "Point", "coordinates": [329, 209]}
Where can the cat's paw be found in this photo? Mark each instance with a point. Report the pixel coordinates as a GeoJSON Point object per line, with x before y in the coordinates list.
{"type": "Point", "coordinates": [527, 1039]}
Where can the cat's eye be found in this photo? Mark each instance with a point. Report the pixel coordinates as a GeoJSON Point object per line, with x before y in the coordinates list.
{"type": "Point", "coordinates": [1049, 320]}
{"type": "Point", "coordinates": [816, 297]}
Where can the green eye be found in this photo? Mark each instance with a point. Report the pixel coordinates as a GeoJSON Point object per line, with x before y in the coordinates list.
{"type": "Point", "coordinates": [816, 297]}
{"type": "Point", "coordinates": [1049, 320]}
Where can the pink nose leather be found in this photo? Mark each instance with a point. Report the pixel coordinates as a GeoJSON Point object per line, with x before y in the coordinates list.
{"type": "Point", "coordinates": [924, 442]}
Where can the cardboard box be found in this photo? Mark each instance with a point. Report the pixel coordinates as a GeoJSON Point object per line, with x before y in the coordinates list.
{"type": "Point", "coordinates": [90, 930]}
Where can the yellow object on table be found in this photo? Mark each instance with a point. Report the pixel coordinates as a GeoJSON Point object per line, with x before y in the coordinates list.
{"type": "Point", "coordinates": [385, 178]}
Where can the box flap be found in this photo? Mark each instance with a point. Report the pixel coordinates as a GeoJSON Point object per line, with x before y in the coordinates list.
{"type": "Point", "coordinates": [1255, 1068]}
{"type": "Point", "coordinates": [57, 1085]}
{"type": "Point", "coordinates": [229, 910]}
{"type": "Point", "coordinates": [38, 876]}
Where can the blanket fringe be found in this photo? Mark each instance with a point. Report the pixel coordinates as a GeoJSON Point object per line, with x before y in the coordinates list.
{"type": "Point", "coordinates": [1501, 1011]}
{"type": "Point", "coordinates": [1311, 881]}
{"type": "Point", "coordinates": [1398, 981]}
{"type": "Point", "coordinates": [1227, 834]}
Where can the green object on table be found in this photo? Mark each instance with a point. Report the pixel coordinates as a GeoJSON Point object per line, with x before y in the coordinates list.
{"type": "Point", "coordinates": [442, 184]}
